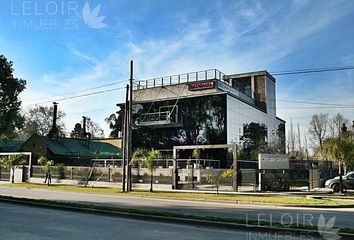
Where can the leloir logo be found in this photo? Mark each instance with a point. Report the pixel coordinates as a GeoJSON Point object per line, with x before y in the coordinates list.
{"type": "Point", "coordinates": [200, 86]}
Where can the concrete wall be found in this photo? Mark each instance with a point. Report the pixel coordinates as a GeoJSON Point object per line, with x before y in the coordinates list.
{"type": "Point", "coordinates": [18, 175]}
{"type": "Point", "coordinates": [137, 186]}
{"type": "Point", "coordinates": [113, 141]}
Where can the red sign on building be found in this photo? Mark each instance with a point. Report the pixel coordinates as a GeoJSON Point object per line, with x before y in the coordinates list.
{"type": "Point", "coordinates": [200, 86]}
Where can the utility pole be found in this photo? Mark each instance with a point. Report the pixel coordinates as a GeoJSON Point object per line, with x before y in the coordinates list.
{"type": "Point", "coordinates": [130, 122]}
{"type": "Point", "coordinates": [125, 127]}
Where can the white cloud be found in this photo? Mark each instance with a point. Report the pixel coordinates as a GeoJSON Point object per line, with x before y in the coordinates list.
{"type": "Point", "coordinates": [234, 39]}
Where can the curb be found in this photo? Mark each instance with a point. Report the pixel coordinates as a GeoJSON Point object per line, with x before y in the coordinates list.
{"type": "Point", "coordinates": [253, 203]}
{"type": "Point", "coordinates": [230, 202]}
{"type": "Point", "coordinates": [174, 220]}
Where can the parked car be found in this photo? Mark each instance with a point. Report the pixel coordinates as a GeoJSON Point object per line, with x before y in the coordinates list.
{"type": "Point", "coordinates": [348, 182]}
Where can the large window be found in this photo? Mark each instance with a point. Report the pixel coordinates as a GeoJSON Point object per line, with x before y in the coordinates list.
{"type": "Point", "coordinates": [202, 120]}
{"type": "Point", "coordinates": [243, 85]}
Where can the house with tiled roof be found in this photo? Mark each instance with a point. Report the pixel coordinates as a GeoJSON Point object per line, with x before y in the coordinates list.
{"type": "Point", "coordinates": [70, 151]}
{"type": "Point", "coordinates": [10, 146]}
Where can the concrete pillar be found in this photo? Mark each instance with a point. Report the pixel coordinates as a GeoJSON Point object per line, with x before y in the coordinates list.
{"type": "Point", "coordinates": [234, 158]}
{"type": "Point", "coordinates": [18, 174]}
{"type": "Point", "coordinates": [175, 170]}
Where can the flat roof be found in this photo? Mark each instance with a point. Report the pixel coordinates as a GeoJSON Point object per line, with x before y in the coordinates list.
{"type": "Point", "coordinates": [248, 74]}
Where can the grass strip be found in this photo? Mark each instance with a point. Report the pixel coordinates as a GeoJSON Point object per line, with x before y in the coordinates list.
{"type": "Point", "coordinates": [296, 201]}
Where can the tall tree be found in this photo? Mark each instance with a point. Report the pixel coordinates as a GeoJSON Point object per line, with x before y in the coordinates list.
{"type": "Point", "coordinates": [318, 129]}
{"type": "Point", "coordinates": [10, 88]}
{"type": "Point", "coordinates": [77, 132]}
{"type": "Point", "coordinates": [341, 149]}
{"type": "Point", "coordinates": [291, 138]}
{"type": "Point", "coordinates": [298, 136]}
{"type": "Point", "coordinates": [295, 149]}
{"type": "Point", "coordinates": [115, 122]}
{"type": "Point", "coordinates": [91, 127]}
{"type": "Point", "coordinates": [254, 140]}
{"type": "Point", "coordinates": [306, 147]}
{"type": "Point", "coordinates": [336, 123]}
{"type": "Point", "coordinates": [39, 120]}
{"type": "Point", "coordinates": [94, 128]}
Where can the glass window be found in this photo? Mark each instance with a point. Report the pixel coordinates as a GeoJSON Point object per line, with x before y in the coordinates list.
{"type": "Point", "coordinates": [202, 120]}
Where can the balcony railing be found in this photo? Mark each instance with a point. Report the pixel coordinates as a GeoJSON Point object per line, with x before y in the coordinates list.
{"type": "Point", "coordinates": [211, 74]}
{"type": "Point", "coordinates": [167, 116]}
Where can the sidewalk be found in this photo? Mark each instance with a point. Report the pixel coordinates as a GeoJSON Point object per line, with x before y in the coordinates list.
{"type": "Point", "coordinates": [242, 190]}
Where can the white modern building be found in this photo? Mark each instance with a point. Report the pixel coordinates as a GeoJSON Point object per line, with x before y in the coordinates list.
{"type": "Point", "coordinates": [205, 107]}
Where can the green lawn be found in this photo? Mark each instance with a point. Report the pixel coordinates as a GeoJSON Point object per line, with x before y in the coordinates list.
{"type": "Point", "coordinates": [230, 198]}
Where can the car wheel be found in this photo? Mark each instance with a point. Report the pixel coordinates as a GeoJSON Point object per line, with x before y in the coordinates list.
{"type": "Point", "coordinates": [335, 187]}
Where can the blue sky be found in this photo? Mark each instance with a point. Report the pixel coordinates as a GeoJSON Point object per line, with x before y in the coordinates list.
{"type": "Point", "coordinates": [57, 52]}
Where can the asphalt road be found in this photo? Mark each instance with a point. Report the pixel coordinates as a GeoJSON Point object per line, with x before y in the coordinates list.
{"type": "Point", "coordinates": [31, 223]}
{"type": "Point", "coordinates": [343, 216]}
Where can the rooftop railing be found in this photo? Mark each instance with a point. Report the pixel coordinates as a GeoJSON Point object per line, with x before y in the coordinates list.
{"type": "Point", "coordinates": [211, 74]}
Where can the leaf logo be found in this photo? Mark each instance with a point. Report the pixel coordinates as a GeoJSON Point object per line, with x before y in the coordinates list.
{"type": "Point", "coordinates": [326, 230]}
{"type": "Point", "coordinates": [91, 17]}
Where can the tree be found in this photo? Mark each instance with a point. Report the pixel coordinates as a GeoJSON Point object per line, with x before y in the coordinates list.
{"type": "Point", "coordinates": [299, 144]}
{"type": "Point", "coordinates": [318, 129]}
{"type": "Point", "coordinates": [254, 140]}
{"type": "Point", "coordinates": [306, 148]}
{"type": "Point", "coordinates": [10, 88]}
{"type": "Point", "coordinates": [91, 127]}
{"type": "Point", "coordinates": [336, 123]}
{"type": "Point", "coordinates": [291, 138]}
{"type": "Point", "coordinates": [295, 149]}
{"type": "Point", "coordinates": [115, 122]}
{"type": "Point", "coordinates": [147, 157]}
{"type": "Point", "coordinates": [47, 166]}
{"type": "Point", "coordinates": [219, 178]}
{"type": "Point", "coordinates": [13, 161]}
{"type": "Point", "coordinates": [39, 120]}
{"type": "Point", "coordinates": [94, 128]}
{"type": "Point", "coordinates": [341, 149]}
{"type": "Point", "coordinates": [77, 132]}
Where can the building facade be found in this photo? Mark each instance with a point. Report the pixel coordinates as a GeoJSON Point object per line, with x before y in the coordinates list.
{"type": "Point", "coordinates": [206, 107]}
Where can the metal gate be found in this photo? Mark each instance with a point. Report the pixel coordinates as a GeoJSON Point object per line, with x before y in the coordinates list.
{"type": "Point", "coordinates": [4, 173]}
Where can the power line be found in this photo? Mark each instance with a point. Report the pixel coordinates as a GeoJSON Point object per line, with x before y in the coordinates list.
{"type": "Point", "coordinates": [288, 72]}
{"type": "Point", "coordinates": [82, 95]}
{"type": "Point", "coordinates": [83, 90]}
{"type": "Point", "coordinates": [315, 103]}
{"type": "Point", "coordinates": [68, 98]}
{"type": "Point", "coordinates": [312, 70]}
{"type": "Point", "coordinates": [93, 110]}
